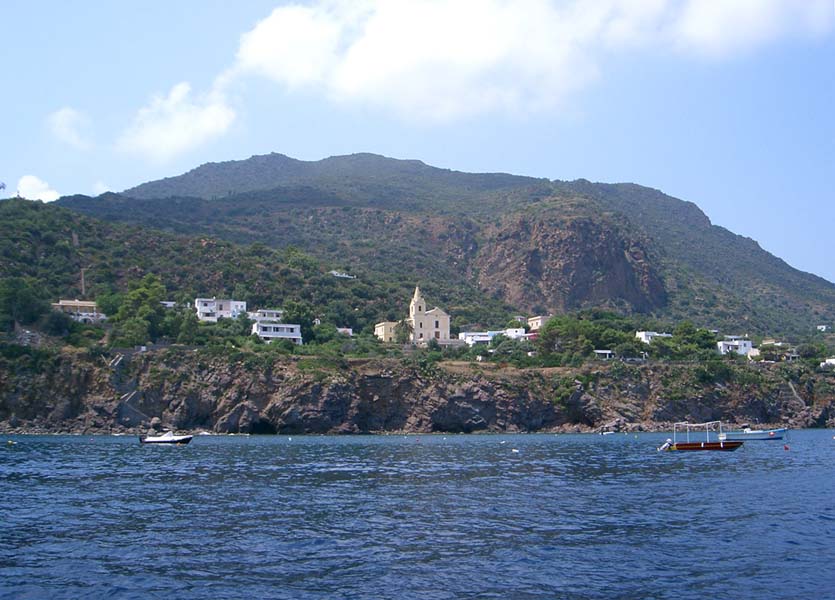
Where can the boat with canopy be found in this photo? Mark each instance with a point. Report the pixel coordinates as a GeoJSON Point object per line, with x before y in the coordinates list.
{"type": "Point", "coordinates": [697, 436]}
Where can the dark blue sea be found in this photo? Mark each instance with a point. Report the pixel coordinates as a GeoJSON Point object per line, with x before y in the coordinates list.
{"type": "Point", "coordinates": [488, 516]}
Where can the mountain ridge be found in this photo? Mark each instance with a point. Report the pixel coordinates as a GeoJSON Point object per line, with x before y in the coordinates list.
{"type": "Point", "coordinates": [537, 244]}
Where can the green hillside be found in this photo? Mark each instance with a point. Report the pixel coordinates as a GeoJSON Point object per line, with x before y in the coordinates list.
{"type": "Point", "coordinates": [495, 239]}
{"type": "Point", "coordinates": [50, 245]}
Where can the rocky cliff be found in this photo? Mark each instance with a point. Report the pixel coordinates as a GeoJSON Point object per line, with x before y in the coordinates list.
{"type": "Point", "coordinates": [246, 393]}
{"type": "Point", "coordinates": [551, 263]}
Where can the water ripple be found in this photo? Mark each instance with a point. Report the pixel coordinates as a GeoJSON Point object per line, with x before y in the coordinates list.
{"type": "Point", "coordinates": [414, 517]}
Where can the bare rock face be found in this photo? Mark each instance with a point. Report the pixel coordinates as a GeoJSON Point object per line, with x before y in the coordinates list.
{"type": "Point", "coordinates": [182, 390]}
{"type": "Point", "coordinates": [547, 262]}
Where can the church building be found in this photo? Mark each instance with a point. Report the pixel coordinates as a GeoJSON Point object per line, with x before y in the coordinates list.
{"type": "Point", "coordinates": [425, 324]}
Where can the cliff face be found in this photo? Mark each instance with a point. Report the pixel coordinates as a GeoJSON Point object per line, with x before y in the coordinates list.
{"type": "Point", "coordinates": [249, 394]}
{"type": "Point", "coordinates": [549, 263]}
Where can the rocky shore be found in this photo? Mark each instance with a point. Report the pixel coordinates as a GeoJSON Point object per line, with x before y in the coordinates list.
{"type": "Point", "coordinates": [188, 390]}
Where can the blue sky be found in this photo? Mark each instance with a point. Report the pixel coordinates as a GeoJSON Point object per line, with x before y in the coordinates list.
{"type": "Point", "coordinates": [727, 104]}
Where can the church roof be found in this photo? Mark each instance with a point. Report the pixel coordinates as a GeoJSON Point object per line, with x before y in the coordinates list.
{"type": "Point", "coordinates": [436, 311]}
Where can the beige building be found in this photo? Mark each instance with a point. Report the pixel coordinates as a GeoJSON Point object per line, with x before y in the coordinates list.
{"type": "Point", "coordinates": [536, 323]}
{"type": "Point", "coordinates": [83, 311]}
{"type": "Point", "coordinates": [426, 324]}
{"type": "Point", "coordinates": [385, 330]}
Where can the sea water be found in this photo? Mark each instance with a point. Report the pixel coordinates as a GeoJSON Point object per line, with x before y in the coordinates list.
{"type": "Point", "coordinates": [438, 516]}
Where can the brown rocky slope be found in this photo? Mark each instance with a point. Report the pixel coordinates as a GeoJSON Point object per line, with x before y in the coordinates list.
{"type": "Point", "coordinates": [247, 393]}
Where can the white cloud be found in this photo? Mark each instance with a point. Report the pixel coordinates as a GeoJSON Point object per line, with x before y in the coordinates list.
{"type": "Point", "coordinates": [443, 59]}
{"type": "Point", "coordinates": [174, 124]}
{"type": "Point", "coordinates": [33, 188]}
{"type": "Point", "coordinates": [438, 60]}
{"type": "Point", "coordinates": [66, 124]}
{"type": "Point", "coordinates": [100, 188]}
{"type": "Point", "coordinates": [720, 28]}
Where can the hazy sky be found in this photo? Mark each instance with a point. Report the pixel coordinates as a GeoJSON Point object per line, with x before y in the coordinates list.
{"type": "Point", "coordinates": [727, 103]}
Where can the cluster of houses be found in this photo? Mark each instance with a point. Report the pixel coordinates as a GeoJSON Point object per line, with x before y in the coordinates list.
{"type": "Point", "coordinates": [421, 326]}
{"type": "Point", "coordinates": [737, 344]}
{"type": "Point", "coordinates": [267, 323]}
{"type": "Point", "coordinates": [424, 325]}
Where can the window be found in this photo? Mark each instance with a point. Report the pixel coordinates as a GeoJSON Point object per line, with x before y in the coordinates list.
{"type": "Point", "coordinates": [436, 325]}
{"type": "Point", "coordinates": [420, 307]}
{"type": "Point", "coordinates": [420, 325]}
{"type": "Point", "coordinates": [420, 336]}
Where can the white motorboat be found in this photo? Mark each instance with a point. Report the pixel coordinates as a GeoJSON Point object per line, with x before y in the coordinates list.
{"type": "Point", "coordinates": [166, 438]}
{"type": "Point", "coordinates": [756, 434]}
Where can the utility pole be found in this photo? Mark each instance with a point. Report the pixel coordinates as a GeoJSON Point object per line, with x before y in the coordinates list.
{"type": "Point", "coordinates": [83, 288]}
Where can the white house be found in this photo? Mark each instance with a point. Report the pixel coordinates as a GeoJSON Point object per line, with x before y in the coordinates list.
{"type": "Point", "coordinates": [341, 275]}
{"type": "Point", "coordinates": [647, 336]}
{"type": "Point", "coordinates": [822, 328]}
{"type": "Point", "coordinates": [514, 333]}
{"type": "Point", "coordinates": [83, 311]}
{"type": "Point", "coordinates": [275, 330]}
{"type": "Point", "coordinates": [212, 309]}
{"type": "Point", "coordinates": [734, 343]}
{"type": "Point", "coordinates": [472, 338]}
{"type": "Point", "coordinates": [266, 314]}
{"type": "Point", "coordinates": [345, 331]}
{"type": "Point", "coordinates": [604, 354]}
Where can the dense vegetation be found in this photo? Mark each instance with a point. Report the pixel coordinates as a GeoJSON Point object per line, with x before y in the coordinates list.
{"type": "Point", "coordinates": [393, 222]}
{"type": "Point", "coordinates": [48, 247]}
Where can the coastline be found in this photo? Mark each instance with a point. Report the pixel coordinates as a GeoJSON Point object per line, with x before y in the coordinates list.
{"type": "Point", "coordinates": [200, 391]}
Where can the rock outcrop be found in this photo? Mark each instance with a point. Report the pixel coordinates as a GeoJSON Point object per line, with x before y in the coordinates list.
{"type": "Point", "coordinates": [551, 263]}
{"type": "Point", "coordinates": [246, 393]}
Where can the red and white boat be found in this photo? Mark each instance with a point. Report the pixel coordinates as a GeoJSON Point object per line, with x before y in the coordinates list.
{"type": "Point", "coordinates": [683, 429]}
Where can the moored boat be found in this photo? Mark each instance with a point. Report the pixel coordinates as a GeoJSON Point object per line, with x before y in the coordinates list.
{"type": "Point", "coordinates": [166, 438]}
{"type": "Point", "coordinates": [683, 429]}
{"type": "Point", "coordinates": [756, 434]}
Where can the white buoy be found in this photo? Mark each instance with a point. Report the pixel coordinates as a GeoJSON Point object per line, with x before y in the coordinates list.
{"type": "Point", "coordinates": [514, 450]}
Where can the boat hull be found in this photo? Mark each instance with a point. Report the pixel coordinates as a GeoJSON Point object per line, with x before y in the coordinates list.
{"type": "Point", "coordinates": [177, 441]}
{"type": "Point", "coordinates": [766, 434]}
{"type": "Point", "coordinates": [726, 446]}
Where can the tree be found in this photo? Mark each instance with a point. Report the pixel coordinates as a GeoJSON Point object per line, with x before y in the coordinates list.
{"type": "Point", "coordinates": [324, 333]}
{"type": "Point", "coordinates": [108, 303]}
{"type": "Point", "coordinates": [132, 332]}
{"type": "Point", "coordinates": [57, 323]}
{"type": "Point", "coordinates": [188, 328]}
{"type": "Point", "coordinates": [403, 332]}
{"type": "Point", "coordinates": [20, 302]}
{"type": "Point", "coordinates": [143, 302]}
{"type": "Point", "coordinates": [516, 324]}
{"type": "Point", "coordinates": [811, 350]}
{"type": "Point", "coordinates": [301, 313]}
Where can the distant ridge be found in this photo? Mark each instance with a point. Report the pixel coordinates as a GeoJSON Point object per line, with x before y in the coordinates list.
{"type": "Point", "coordinates": [535, 244]}
{"type": "Point", "coordinates": [269, 171]}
